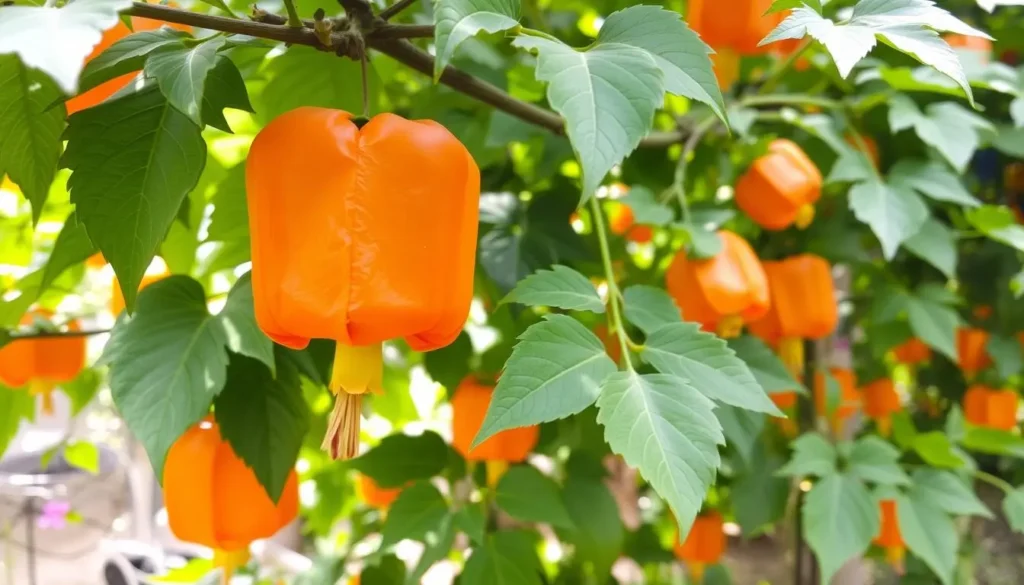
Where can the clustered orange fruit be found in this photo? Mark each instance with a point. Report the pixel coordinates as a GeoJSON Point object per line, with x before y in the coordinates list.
{"type": "Point", "coordinates": [848, 400]}
{"type": "Point", "coordinates": [780, 188]}
{"type": "Point", "coordinates": [972, 355]}
{"type": "Point", "coordinates": [703, 545]}
{"type": "Point", "coordinates": [991, 407]}
{"type": "Point", "coordinates": [881, 401]}
{"type": "Point", "coordinates": [912, 352]}
{"type": "Point", "coordinates": [42, 363]}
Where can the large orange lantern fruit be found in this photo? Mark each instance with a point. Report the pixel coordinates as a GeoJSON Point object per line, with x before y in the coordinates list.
{"type": "Point", "coordinates": [912, 352]}
{"type": "Point", "coordinates": [972, 355]}
{"type": "Point", "coordinates": [117, 297]}
{"type": "Point", "coordinates": [735, 24]}
{"type": "Point", "coordinates": [43, 362]}
{"type": "Point", "coordinates": [360, 235]}
{"type": "Point", "coordinates": [849, 397]}
{"type": "Point", "coordinates": [469, 408]}
{"type": "Point", "coordinates": [991, 408]}
{"type": "Point", "coordinates": [721, 293]}
{"type": "Point", "coordinates": [780, 188]}
{"type": "Point", "coordinates": [803, 306]}
{"type": "Point", "coordinates": [108, 88]}
{"type": "Point", "coordinates": [214, 499]}
{"type": "Point", "coordinates": [881, 401]}
{"type": "Point", "coordinates": [889, 537]}
{"type": "Point", "coordinates": [703, 546]}
{"type": "Point", "coordinates": [376, 496]}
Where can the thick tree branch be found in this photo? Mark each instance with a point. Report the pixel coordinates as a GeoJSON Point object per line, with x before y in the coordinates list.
{"type": "Point", "coordinates": [389, 40]}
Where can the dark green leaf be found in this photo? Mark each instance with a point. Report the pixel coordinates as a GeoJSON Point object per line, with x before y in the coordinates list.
{"type": "Point", "coordinates": [649, 308]}
{"type": "Point", "coordinates": [458, 20]}
{"type": "Point", "coordinates": [399, 459]}
{"type": "Point", "coordinates": [759, 495]}
{"type": "Point", "coordinates": [239, 320]}
{"type": "Point", "coordinates": [647, 210]}
{"type": "Point", "coordinates": [599, 535]}
{"type": "Point", "coordinates": [508, 558]}
{"type": "Point", "coordinates": [1006, 353]}
{"type": "Point", "coordinates": [947, 126]}
{"type": "Point", "coordinates": [840, 519]}
{"type": "Point", "coordinates": [560, 287]}
{"type": "Point", "coordinates": [128, 55]}
{"type": "Point", "coordinates": [450, 364]}
{"type": "Point", "coordinates": [742, 428]}
{"type": "Point", "coordinates": [931, 179]}
{"type": "Point", "coordinates": [528, 495]}
{"type": "Point", "coordinates": [72, 247]}
{"type": "Point", "coordinates": [225, 88]}
{"type": "Point", "coordinates": [81, 390]}
{"type": "Point", "coordinates": [472, 520]}
{"type": "Point", "coordinates": [437, 546]}
{"type": "Point", "coordinates": [934, 324]}
{"type": "Point", "coordinates": [15, 406]}
{"type": "Point", "coordinates": [303, 76]}
{"type": "Point", "coordinates": [420, 510]}
{"type": "Point", "coordinates": [388, 570]}
{"type": "Point", "coordinates": [181, 74]}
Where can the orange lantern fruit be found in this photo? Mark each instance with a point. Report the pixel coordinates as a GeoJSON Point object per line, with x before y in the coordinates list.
{"type": "Point", "coordinates": [849, 397]}
{"type": "Point", "coordinates": [736, 24]}
{"type": "Point", "coordinates": [972, 355]}
{"type": "Point", "coordinates": [889, 537]}
{"type": "Point", "coordinates": [780, 188]}
{"type": "Point", "coordinates": [620, 218]}
{"type": "Point", "coordinates": [640, 234]}
{"type": "Point", "coordinates": [1002, 409]}
{"type": "Point", "coordinates": [469, 407]}
{"type": "Point", "coordinates": [803, 306]}
{"type": "Point", "coordinates": [110, 36]}
{"type": "Point", "coordinates": [703, 546]}
{"type": "Point", "coordinates": [360, 235]}
{"type": "Point", "coordinates": [721, 293]}
{"type": "Point", "coordinates": [912, 352]}
{"type": "Point", "coordinates": [117, 297]}
{"type": "Point", "coordinates": [214, 499]}
{"type": "Point", "coordinates": [610, 342]}
{"type": "Point", "coordinates": [975, 404]}
{"type": "Point", "coordinates": [881, 401]}
{"type": "Point", "coordinates": [43, 362]}
{"type": "Point", "coordinates": [376, 496]}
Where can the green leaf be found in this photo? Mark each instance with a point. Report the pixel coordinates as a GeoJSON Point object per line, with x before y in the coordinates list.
{"type": "Point", "coordinates": [83, 455]}
{"type": "Point", "coordinates": [607, 94]}
{"type": "Point", "coordinates": [239, 320]}
{"type": "Point", "coordinates": [419, 511]}
{"type": "Point", "coordinates": [947, 126]}
{"type": "Point", "coordinates": [1013, 508]}
{"type": "Point", "coordinates": [947, 492]}
{"type": "Point", "coordinates": [472, 520]}
{"type": "Point", "coordinates": [399, 459]}
{"type": "Point", "coordinates": [934, 324]}
{"type": "Point", "coordinates": [647, 210]}
{"type": "Point", "coordinates": [998, 223]}
{"type": "Point", "coordinates": [874, 460]}
{"type": "Point", "coordinates": [812, 455]}
{"type": "Point", "coordinates": [303, 76]}
{"type": "Point", "coordinates": [649, 308]}
{"type": "Point", "coordinates": [678, 51]}
{"type": "Point", "coordinates": [457, 20]}
{"type": "Point", "coordinates": [167, 363]}
{"type": "Point", "coordinates": [30, 141]}
{"type": "Point", "coordinates": [128, 55]}
{"type": "Point", "coordinates": [707, 363]}
{"type": "Point", "coordinates": [1006, 353]}
{"type": "Point", "coordinates": [134, 160]}
{"type": "Point", "coordinates": [764, 364]}
{"type": "Point", "coordinates": [840, 519]}
{"type": "Point", "coordinates": [225, 88]}
{"type": "Point", "coordinates": [449, 365]}
{"type": "Point", "coordinates": [742, 428]}
{"type": "Point", "coordinates": [935, 244]}
{"type": "Point", "coordinates": [437, 546]}
{"type": "Point", "coordinates": [758, 494]}
{"type": "Point", "coordinates": [894, 215]}
{"type": "Point", "coordinates": [81, 390]}
{"type": "Point", "coordinates": [781, 5]}
{"type": "Point", "coordinates": [930, 534]}
{"type": "Point", "coordinates": [387, 570]}
{"type": "Point", "coordinates": [528, 495]}
{"type": "Point", "coordinates": [72, 247]}
{"type": "Point", "coordinates": [554, 371]}
{"type": "Point", "coordinates": [852, 166]}
{"type": "Point", "coordinates": [264, 418]}
{"type": "Point", "coordinates": [54, 40]}
{"type": "Point", "coordinates": [560, 287]}
{"type": "Point", "coordinates": [936, 449]}
{"type": "Point", "coordinates": [598, 536]}
{"type": "Point", "coordinates": [993, 441]}
{"type": "Point", "coordinates": [507, 558]}
{"type": "Point", "coordinates": [665, 428]}
{"type": "Point", "coordinates": [15, 406]}
{"type": "Point", "coordinates": [181, 74]}
{"type": "Point", "coordinates": [931, 179]}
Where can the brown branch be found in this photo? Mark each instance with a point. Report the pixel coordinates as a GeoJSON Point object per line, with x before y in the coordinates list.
{"type": "Point", "coordinates": [395, 8]}
{"type": "Point", "coordinates": [52, 334]}
{"type": "Point", "coordinates": [390, 40]}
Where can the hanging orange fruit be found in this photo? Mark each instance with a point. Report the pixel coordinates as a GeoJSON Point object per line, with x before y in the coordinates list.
{"type": "Point", "coordinates": [1002, 409]}
{"type": "Point", "coordinates": [703, 546]}
{"type": "Point", "coordinates": [803, 306]}
{"type": "Point", "coordinates": [640, 234]}
{"type": "Point", "coordinates": [912, 352]}
{"type": "Point", "coordinates": [43, 362]}
{"type": "Point", "coordinates": [881, 401]}
{"type": "Point", "coordinates": [972, 356]}
{"type": "Point", "coordinates": [780, 188]}
{"type": "Point", "coordinates": [620, 218]}
{"type": "Point", "coordinates": [975, 405]}
{"type": "Point", "coordinates": [849, 398]}
{"type": "Point", "coordinates": [721, 293]}
{"type": "Point", "coordinates": [736, 24]}
{"type": "Point", "coordinates": [374, 495]}
{"type": "Point", "coordinates": [469, 407]}
{"type": "Point", "coordinates": [214, 499]}
{"type": "Point", "coordinates": [889, 537]}
{"type": "Point", "coordinates": [610, 342]}
{"type": "Point", "coordinates": [117, 297]}
{"type": "Point", "coordinates": [360, 235]}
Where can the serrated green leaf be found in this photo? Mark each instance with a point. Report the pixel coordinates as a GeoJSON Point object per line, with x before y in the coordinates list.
{"type": "Point", "coordinates": [1013, 508]}
{"type": "Point", "coordinates": [507, 558]}
{"type": "Point", "coordinates": [607, 94]}
{"type": "Point", "coordinates": [852, 166]}
{"type": "Point", "coordinates": [83, 455]}
{"type": "Point", "coordinates": [812, 455]}
{"type": "Point", "coordinates": [649, 308]}
{"type": "Point", "coordinates": [894, 215]}
{"type": "Point", "coordinates": [1006, 353]}
{"type": "Point", "coordinates": [935, 244]}
{"type": "Point", "coordinates": [419, 511]}
{"type": "Point", "coordinates": [765, 365]}
{"type": "Point", "coordinates": [931, 179]}
{"type": "Point", "coordinates": [181, 74]}
{"type": "Point", "coordinates": [934, 324]}
{"type": "Point", "coordinates": [528, 495]}
{"type": "Point", "coordinates": [30, 141]}
{"type": "Point", "coordinates": [930, 534]}
{"type": "Point", "coordinates": [758, 494]}
{"type": "Point", "coordinates": [128, 55]}
{"type": "Point", "coordinates": [707, 363]}
{"type": "Point", "coordinates": [647, 210]}
{"type": "Point", "coordinates": [458, 20]}
{"type": "Point", "coordinates": [239, 320]}
{"type": "Point", "coordinates": [874, 460]}
{"type": "Point", "coordinates": [54, 40]}
{"type": "Point", "coordinates": [998, 223]}
{"type": "Point", "coordinates": [167, 363]}
{"type": "Point", "coordinates": [599, 535]}
{"type": "Point", "coordinates": [742, 428]}
{"type": "Point", "coordinates": [560, 287]}
{"type": "Point", "coordinates": [225, 88]}
{"type": "Point", "coordinates": [947, 126]}
{"type": "Point", "coordinates": [665, 428]}
{"type": "Point", "coordinates": [134, 160]}
{"type": "Point", "coordinates": [72, 247]}
{"type": "Point", "coordinates": [399, 459]}
{"type": "Point", "coordinates": [947, 492]}
{"type": "Point", "coordinates": [840, 519]}
{"type": "Point", "coordinates": [555, 370]}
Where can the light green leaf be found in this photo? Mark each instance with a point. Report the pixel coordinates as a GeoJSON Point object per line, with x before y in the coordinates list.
{"type": "Point", "coordinates": [1013, 508]}
{"type": "Point", "coordinates": [128, 55]}
{"type": "Point", "coordinates": [181, 74]}
{"type": "Point", "coordinates": [83, 455]}
{"type": "Point", "coordinates": [812, 455]}
{"type": "Point", "coordinates": [935, 244]}
{"type": "Point", "coordinates": [508, 558]}
{"type": "Point", "coordinates": [649, 308]}
{"type": "Point", "coordinates": [607, 94]}
{"type": "Point", "coordinates": [781, 5]}
{"type": "Point", "coordinates": [930, 534]}
{"type": "Point", "coordinates": [1009, 140]}
{"type": "Point", "coordinates": [874, 460]}
{"type": "Point", "coordinates": [947, 492]}
{"type": "Point", "coordinates": [419, 511]}
{"type": "Point", "coordinates": [72, 247]}
{"type": "Point", "coordinates": [894, 215]}
{"type": "Point", "coordinates": [457, 20]}
{"type": "Point", "coordinates": [936, 449]}
{"type": "Point", "coordinates": [599, 535]}
{"type": "Point", "coordinates": [167, 363]}
{"type": "Point", "coordinates": [998, 223]}
{"type": "Point", "coordinates": [765, 365]}
{"type": "Point", "coordinates": [14, 407]}
{"type": "Point", "coordinates": [560, 287]}
{"type": "Point", "coordinates": [840, 519]}
{"type": "Point", "coordinates": [665, 428]}
{"type": "Point", "coordinates": [852, 166]}
{"type": "Point", "coordinates": [947, 126]}
{"type": "Point", "coordinates": [82, 390]}
{"type": "Point", "coordinates": [127, 214]}
{"type": "Point", "coordinates": [239, 320]}
{"type": "Point", "coordinates": [30, 141]}
{"type": "Point", "coordinates": [934, 324]}
{"type": "Point", "coordinates": [554, 371]}
{"type": "Point", "coordinates": [437, 547]}
{"type": "Point", "coordinates": [678, 51]}
{"type": "Point", "coordinates": [528, 495]}
{"type": "Point", "coordinates": [1006, 353]}
{"type": "Point", "coordinates": [707, 363]}
{"type": "Point", "coordinates": [931, 179]}
{"type": "Point", "coordinates": [399, 459]}
{"type": "Point", "coordinates": [54, 40]}
{"type": "Point", "coordinates": [742, 429]}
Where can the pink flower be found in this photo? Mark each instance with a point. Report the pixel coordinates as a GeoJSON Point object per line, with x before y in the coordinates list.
{"type": "Point", "coordinates": [54, 515]}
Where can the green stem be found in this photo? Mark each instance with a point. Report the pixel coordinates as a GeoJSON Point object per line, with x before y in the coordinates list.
{"type": "Point", "coordinates": [702, 128]}
{"type": "Point", "coordinates": [789, 100]}
{"type": "Point", "coordinates": [293, 15]}
{"type": "Point", "coordinates": [993, 480]}
{"type": "Point", "coordinates": [614, 297]}
{"type": "Point", "coordinates": [532, 32]}
{"type": "Point", "coordinates": [773, 77]}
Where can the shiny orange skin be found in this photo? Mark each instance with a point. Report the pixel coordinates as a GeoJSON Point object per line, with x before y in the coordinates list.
{"type": "Point", "coordinates": [889, 532]}
{"type": "Point", "coordinates": [361, 235]}
{"type": "Point", "coordinates": [736, 24]}
{"type": "Point", "coordinates": [469, 406]}
{"type": "Point", "coordinates": [17, 359]}
{"type": "Point", "coordinates": [972, 357]}
{"type": "Point", "coordinates": [610, 342]}
{"type": "Point", "coordinates": [777, 185]}
{"type": "Point", "coordinates": [803, 300]}
{"type": "Point", "coordinates": [912, 352]}
{"type": "Point", "coordinates": [214, 499]}
{"type": "Point", "coordinates": [849, 397]}
{"type": "Point", "coordinates": [1002, 409]}
{"type": "Point", "coordinates": [56, 360]}
{"type": "Point", "coordinates": [732, 283]}
{"type": "Point", "coordinates": [975, 404]}
{"type": "Point", "coordinates": [117, 298]}
{"type": "Point", "coordinates": [374, 495]}
{"type": "Point", "coordinates": [620, 218]}
{"type": "Point", "coordinates": [705, 543]}
{"type": "Point", "coordinates": [103, 91]}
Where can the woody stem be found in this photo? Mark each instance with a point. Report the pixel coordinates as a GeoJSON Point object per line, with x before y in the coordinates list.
{"type": "Point", "coordinates": [614, 297]}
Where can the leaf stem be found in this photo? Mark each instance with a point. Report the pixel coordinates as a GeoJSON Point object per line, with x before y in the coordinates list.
{"type": "Point", "coordinates": [777, 72]}
{"type": "Point", "coordinates": [532, 32]}
{"type": "Point", "coordinates": [789, 100]}
{"type": "Point", "coordinates": [702, 128]}
{"type": "Point", "coordinates": [395, 8]}
{"type": "Point", "coordinates": [293, 15]}
{"type": "Point", "coordinates": [614, 296]}
{"type": "Point", "coordinates": [993, 480]}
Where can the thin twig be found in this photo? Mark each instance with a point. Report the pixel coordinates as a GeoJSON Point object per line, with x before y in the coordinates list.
{"type": "Point", "coordinates": [52, 334]}
{"type": "Point", "coordinates": [395, 8]}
